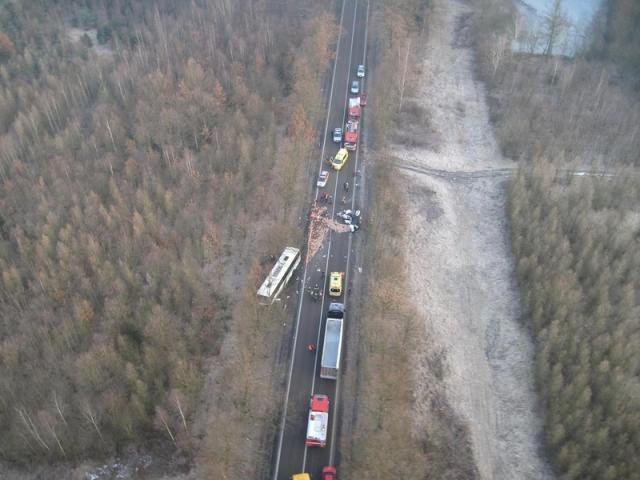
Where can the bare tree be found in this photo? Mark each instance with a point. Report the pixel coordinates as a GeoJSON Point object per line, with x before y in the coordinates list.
{"type": "Point", "coordinates": [555, 23]}
{"type": "Point", "coordinates": [499, 48]}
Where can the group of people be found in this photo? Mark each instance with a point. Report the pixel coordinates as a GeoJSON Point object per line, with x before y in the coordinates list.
{"type": "Point", "coordinates": [326, 198]}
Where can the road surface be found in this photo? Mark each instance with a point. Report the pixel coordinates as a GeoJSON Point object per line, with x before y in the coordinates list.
{"type": "Point", "coordinates": [292, 456]}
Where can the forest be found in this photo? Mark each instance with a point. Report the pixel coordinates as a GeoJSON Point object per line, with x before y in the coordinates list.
{"type": "Point", "coordinates": [577, 244]}
{"type": "Point", "coordinates": [576, 237]}
{"type": "Point", "coordinates": [150, 151]}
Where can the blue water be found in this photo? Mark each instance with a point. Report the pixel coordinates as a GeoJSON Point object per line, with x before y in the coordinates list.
{"type": "Point", "coordinates": [578, 12]}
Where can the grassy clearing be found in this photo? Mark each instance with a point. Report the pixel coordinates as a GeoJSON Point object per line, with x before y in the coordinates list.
{"type": "Point", "coordinates": [383, 438]}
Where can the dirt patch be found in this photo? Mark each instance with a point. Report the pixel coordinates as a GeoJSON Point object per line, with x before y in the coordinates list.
{"type": "Point", "coordinates": [462, 270]}
{"type": "Point", "coordinates": [425, 201]}
{"type": "Point", "coordinates": [90, 39]}
{"type": "Point", "coordinates": [416, 130]}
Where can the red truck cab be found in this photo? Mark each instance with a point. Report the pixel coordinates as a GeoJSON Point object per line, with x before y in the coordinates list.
{"type": "Point", "coordinates": [329, 473]}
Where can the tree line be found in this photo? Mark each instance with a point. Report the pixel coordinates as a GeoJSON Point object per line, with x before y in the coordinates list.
{"type": "Point", "coordinates": [578, 110]}
{"type": "Point", "coordinates": [130, 176]}
{"type": "Point", "coordinates": [577, 244]}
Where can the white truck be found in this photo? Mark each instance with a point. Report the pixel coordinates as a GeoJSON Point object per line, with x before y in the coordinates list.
{"type": "Point", "coordinates": [331, 350]}
{"type": "Point", "coordinates": [318, 421]}
{"type": "Point", "coordinates": [353, 110]}
{"type": "Point", "coordinates": [351, 134]}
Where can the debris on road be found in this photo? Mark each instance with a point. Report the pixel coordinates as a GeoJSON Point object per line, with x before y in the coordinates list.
{"type": "Point", "coordinates": [318, 227]}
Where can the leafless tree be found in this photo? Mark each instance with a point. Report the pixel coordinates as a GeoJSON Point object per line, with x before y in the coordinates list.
{"type": "Point", "coordinates": [555, 23]}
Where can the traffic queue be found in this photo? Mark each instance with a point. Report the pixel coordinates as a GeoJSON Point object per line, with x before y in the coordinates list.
{"type": "Point", "coordinates": [347, 138]}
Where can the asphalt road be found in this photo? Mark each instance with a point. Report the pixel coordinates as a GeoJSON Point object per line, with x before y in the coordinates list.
{"type": "Point", "coordinates": [292, 456]}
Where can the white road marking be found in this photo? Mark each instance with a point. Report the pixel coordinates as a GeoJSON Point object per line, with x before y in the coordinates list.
{"type": "Point", "coordinates": [301, 300]}
{"type": "Point", "coordinates": [346, 279]}
{"type": "Point", "coordinates": [333, 213]}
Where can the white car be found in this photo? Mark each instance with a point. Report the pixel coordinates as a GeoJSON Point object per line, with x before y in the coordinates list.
{"type": "Point", "coordinates": [360, 72]}
{"type": "Point", "coordinates": [355, 87]}
{"type": "Point", "coordinates": [337, 135]}
{"type": "Point", "coordinates": [322, 179]}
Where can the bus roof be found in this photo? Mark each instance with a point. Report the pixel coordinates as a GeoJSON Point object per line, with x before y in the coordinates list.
{"type": "Point", "coordinates": [289, 256]}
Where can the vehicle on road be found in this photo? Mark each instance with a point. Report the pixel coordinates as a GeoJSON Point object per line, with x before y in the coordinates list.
{"type": "Point", "coordinates": [279, 276]}
{"type": "Point", "coordinates": [363, 98]}
{"type": "Point", "coordinates": [329, 473]}
{"type": "Point", "coordinates": [332, 347]}
{"type": "Point", "coordinates": [349, 217]}
{"type": "Point", "coordinates": [354, 108]}
{"type": "Point", "coordinates": [360, 71]}
{"type": "Point", "coordinates": [337, 135]}
{"type": "Point", "coordinates": [351, 135]}
{"type": "Point", "coordinates": [340, 159]}
{"type": "Point", "coordinates": [336, 280]}
{"type": "Point", "coordinates": [318, 421]}
{"type": "Point", "coordinates": [322, 179]}
{"type": "Point", "coordinates": [355, 86]}
{"type": "Point", "coordinates": [301, 476]}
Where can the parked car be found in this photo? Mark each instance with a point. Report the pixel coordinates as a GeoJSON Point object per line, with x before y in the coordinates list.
{"type": "Point", "coordinates": [322, 179]}
{"type": "Point", "coordinates": [360, 72]}
{"type": "Point", "coordinates": [337, 135]}
{"type": "Point", "coordinates": [355, 86]}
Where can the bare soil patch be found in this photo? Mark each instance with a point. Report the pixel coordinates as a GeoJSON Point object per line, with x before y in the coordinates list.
{"type": "Point", "coordinates": [414, 128]}
{"type": "Point", "coordinates": [76, 35]}
{"type": "Point", "coordinates": [462, 271]}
